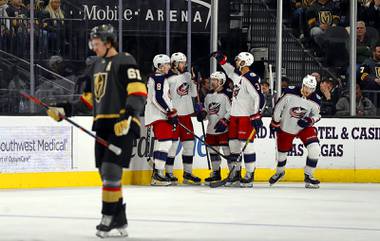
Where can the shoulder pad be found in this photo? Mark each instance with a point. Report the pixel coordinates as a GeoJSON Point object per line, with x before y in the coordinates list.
{"type": "Point", "coordinates": [158, 77]}
{"type": "Point", "coordinates": [295, 90]}
{"type": "Point", "coordinates": [126, 59]}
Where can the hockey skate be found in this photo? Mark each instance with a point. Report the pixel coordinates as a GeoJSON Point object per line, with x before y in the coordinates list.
{"type": "Point", "coordinates": [248, 179]}
{"type": "Point", "coordinates": [113, 226]}
{"type": "Point", "coordinates": [159, 179]}
{"type": "Point", "coordinates": [189, 178]}
{"type": "Point", "coordinates": [311, 182]}
{"type": "Point", "coordinates": [276, 177]}
{"type": "Point", "coordinates": [214, 177]}
{"type": "Point", "coordinates": [173, 179]}
{"type": "Point", "coordinates": [235, 180]}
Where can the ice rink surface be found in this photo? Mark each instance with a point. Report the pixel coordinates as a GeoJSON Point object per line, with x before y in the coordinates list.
{"type": "Point", "coordinates": [287, 211]}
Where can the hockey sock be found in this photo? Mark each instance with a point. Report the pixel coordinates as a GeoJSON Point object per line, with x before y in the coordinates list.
{"type": "Point", "coordinates": [110, 199]}
{"type": "Point", "coordinates": [169, 164]}
{"type": "Point", "coordinates": [160, 159]}
{"type": "Point", "coordinates": [215, 161]}
{"type": "Point", "coordinates": [250, 160]}
{"type": "Point", "coordinates": [187, 163]}
{"type": "Point", "coordinates": [311, 164]}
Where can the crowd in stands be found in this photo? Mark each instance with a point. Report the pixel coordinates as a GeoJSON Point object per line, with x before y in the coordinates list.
{"type": "Point", "coordinates": [321, 25]}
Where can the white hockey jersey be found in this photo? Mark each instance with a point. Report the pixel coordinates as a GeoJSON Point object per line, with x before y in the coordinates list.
{"type": "Point", "coordinates": [292, 106]}
{"type": "Point", "coordinates": [247, 97]}
{"type": "Point", "coordinates": [182, 89]}
{"type": "Point", "coordinates": [218, 106]}
{"type": "Point", "coordinates": [158, 101]}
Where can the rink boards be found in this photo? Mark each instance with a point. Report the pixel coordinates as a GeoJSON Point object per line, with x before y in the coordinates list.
{"type": "Point", "coordinates": [37, 152]}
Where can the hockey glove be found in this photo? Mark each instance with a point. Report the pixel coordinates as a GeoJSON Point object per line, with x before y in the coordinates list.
{"type": "Point", "coordinates": [56, 113]}
{"type": "Point", "coordinates": [221, 125]}
{"type": "Point", "coordinates": [305, 122]}
{"type": "Point", "coordinates": [256, 121]}
{"type": "Point", "coordinates": [274, 126]}
{"type": "Point", "coordinates": [220, 57]}
{"type": "Point", "coordinates": [122, 127]}
{"type": "Point", "coordinates": [172, 117]}
{"type": "Point", "coordinates": [201, 115]}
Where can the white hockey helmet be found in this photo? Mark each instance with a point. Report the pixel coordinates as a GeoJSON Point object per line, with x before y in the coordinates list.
{"type": "Point", "coordinates": [219, 76]}
{"type": "Point", "coordinates": [246, 57]}
{"type": "Point", "coordinates": [310, 82]}
{"type": "Point", "coordinates": [178, 57]}
{"type": "Point", "coordinates": [160, 59]}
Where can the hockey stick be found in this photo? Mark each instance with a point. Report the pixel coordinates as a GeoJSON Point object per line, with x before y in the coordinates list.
{"type": "Point", "coordinates": [148, 139]}
{"type": "Point", "coordinates": [200, 139]}
{"type": "Point", "coordinates": [98, 139]}
{"type": "Point", "coordinates": [202, 123]}
{"type": "Point", "coordinates": [232, 171]}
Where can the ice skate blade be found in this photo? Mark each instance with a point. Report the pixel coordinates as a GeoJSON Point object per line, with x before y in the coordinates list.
{"type": "Point", "coordinates": [173, 184]}
{"type": "Point", "coordinates": [159, 183]}
{"type": "Point", "coordinates": [189, 182]}
{"type": "Point", "coordinates": [281, 177]}
{"type": "Point", "coordinates": [311, 186]}
{"type": "Point", "coordinates": [246, 185]}
{"type": "Point", "coordinates": [232, 184]}
{"type": "Point", "coordinates": [114, 233]}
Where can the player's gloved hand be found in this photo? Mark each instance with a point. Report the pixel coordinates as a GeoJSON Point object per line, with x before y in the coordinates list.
{"type": "Point", "coordinates": [172, 117]}
{"type": "Point", "coordinates": [56, 113]}
{"type": "Point", "coordinates": [305, 122]}
{"type": "Point", "coordinates": [219, 56]}
{"type": "Point", "coordinates": [256, 121]}
{"type": "Point", "coordinates": [221, 125]}
{"type": "Point", "coordinates": [274, 126]}
{"type": "Point", "coordinates": [122, 127]}
{"type": "Point", "coordinates": [201, 115]}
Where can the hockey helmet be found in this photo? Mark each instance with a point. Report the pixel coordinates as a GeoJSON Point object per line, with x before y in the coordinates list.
{"type": "Point", "coordinates": [219, 76]}
{"type": "Point", "coordinates": [246, 57]}
{"type": "Point", "coordinates": [178, 57]}
{"type": "Point", "coordinates": [160, 59]}
{"type": "Point", "coordinates": [106, 32]}
{"type": "Point", "coordinates": [310, 82]}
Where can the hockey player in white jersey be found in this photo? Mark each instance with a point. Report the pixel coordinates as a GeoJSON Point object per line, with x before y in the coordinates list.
{"type": "Point", "coordinates": [247, 102]}
{"type": "Point", "coordinates": [182, 91]}
{"type": "Point", "coordinates": [294, 116]}
{"type": "Point", "coordinates": [217, 108]}
{"type": "Point", "coordinates": [160, 114]}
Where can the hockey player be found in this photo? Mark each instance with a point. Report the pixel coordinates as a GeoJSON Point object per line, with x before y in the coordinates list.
{"type": "Point", "coordinates": [247, 101]}
{"type": "Point", "coordinates": [182, 91]}
{"type": "Point", "coordinates": [160, 114]}
{"type": "Point", "coordinates": [116, 94]}
{"type": "Point", "coordinates": [217, 107]}
{"type": "Point", "coordinates": [294, 115]}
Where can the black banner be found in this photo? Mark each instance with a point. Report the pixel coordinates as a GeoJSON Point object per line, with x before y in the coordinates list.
{"type": "Point", "coordinates": [150, 15]}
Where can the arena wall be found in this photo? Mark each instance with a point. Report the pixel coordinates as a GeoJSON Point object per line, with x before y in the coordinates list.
{"type": "Point", "coordinates": [36, 152]}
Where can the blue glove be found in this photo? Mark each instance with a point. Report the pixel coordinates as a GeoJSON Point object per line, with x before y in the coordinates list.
{"type": "Point", "coordinates": [221, 125]}
{"type": "Point", "coordinates": [256, 121]}
{"type": "Point", "coordinates": [274, 126]}
{"type": "Point", "coordinates": [305, 122]}
{"type": "Point", "coordinates": [201, 115]}
{"type": "Point", "coordinates": [220, 57]}
{"type": "Point", "coordinates": [199, 107]}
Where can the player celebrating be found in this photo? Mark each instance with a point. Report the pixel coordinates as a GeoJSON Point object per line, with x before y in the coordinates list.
{"type": "Point", "coordinates": [117, 96]}
{"type": "Point", "coordinates": [217, 110]}
{"type": "Point", "coordinates": [294, 116]}
{"type": "Point", "coordinates": [182, 90]}
{"type": "Point", "coordinates": [160, 114]}
{"type": "Point", "coordinates": [247, 102]}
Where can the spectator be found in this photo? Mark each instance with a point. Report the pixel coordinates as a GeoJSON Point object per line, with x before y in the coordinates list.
{"type": "Point", "coordinates": [4, 24]}
{"type": "Point", "coordinates": [58, 66]}
{"type": "Point", "coordinates": [329, 97]}
{"type": "Point", "coordinates": [17, 104]}
{"type": "Point", "coordinates": [204, 89]}
{"type": "Point", "coordinates": [370, 70]}
{"type": "Point", "coordinates": [54, 27]}
{"type": "Point", "coordinates": [3, 8]}
{"type": "Point", "coordinates": [321, 15]}
{"type": "Point", "coordinates": [19, 32]}
{"type": "Point", "coordinates": [298, 16]}
{"type": "Point", "coordinates": [364, 106]}
{"type": "Point", "coordinates": [284, 82]}
{"type": "Point", "coordinates": [317, 76]}
{"type": "Point", "coordinates": [268, 107]}
{"type": "Point", "coordinates": [363, 43]}
{"type": "Point", "coordinates": [371, 14]}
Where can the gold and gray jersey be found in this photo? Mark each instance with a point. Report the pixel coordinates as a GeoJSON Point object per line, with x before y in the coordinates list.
{"type": "Point", "coordinates": [116, 88]}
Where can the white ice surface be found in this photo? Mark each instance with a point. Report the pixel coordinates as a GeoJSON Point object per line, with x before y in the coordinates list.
{"type": "Point", "coordinates": [285, 212]}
